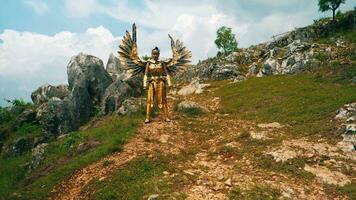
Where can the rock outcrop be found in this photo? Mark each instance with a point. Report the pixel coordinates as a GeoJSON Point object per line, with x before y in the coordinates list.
{"type": "Point", "coordinates": [92, 90]}
{"type": "Point", "coordinates": [46, 92]}
{"type": "Point", "coordinates": [346, 116]}
{"type": "Point", "coordinates": [61, 109]}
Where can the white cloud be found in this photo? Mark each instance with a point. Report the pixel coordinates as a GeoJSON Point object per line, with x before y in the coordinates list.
{"type": "Point", "coordinates": [28, 60]}
{"type": "Point", "coordinates": [38, 6]}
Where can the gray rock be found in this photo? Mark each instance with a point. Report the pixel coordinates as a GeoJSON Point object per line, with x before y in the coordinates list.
{"type": "Point", "coordinates": [225, 72]}
{"type": "Point", "coordinates": [115, 69]}
{"type": "Point", "coordinates": [241, 57]}
{"type": "Point", "coordinates": [19, 146]}
{"type": "Point", "coordinates": [57, 117]}
{"type": "Point", "coordinates": [345, 112]}
{"type": "Point", "coordinates": [26, 116]}
{"type": "Point", "coordinates": [270, 67]}
{"type": "Point", "coordinates": [296, 46]}
{"type": "Point", "coordinates": [325, 175]}
{"type": "Point", "coordinates": [273, 52]}
{"type": "Point", "coordinates": [184, 105]}
{"type": "Point", "coordinates": [37, 156]}
{"type": "Point", "coordinates": [46, 92]}
{"type": "Point", "coordinates": [88, 81]}
{"type": "Point", "coordinates": [131, 105]}
{"type": "Point", "coordinates": [153, 197]}
{"type": "Point", "coordinates": [252, 70]}
{"type": "Point", "coordinates": [193, 87]}
{"type": "Point", "coordinates": [239, 78]}
{"type": "Point", "coordinates": [114, 95]}
{"type": "Point", "coordinates": [136, 85]}
{"type": "Point", "coordinates": [340, 42]}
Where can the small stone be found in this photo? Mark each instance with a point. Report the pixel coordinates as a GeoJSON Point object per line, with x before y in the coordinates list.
{"type": "Point", "coordinates": [166, 173]}
{"type": "Point", "coordinates": [153, 197]}
{"type": "Point", "coordinates": [342, 114]}
{"type": "Point", "coordinates": [351, 119]}
{"type": "Point", "coordinates": [228, 182]}
{"type": "Point", "coordinates": [270, 125]}
{"type": "Point", "coordinates": [221, 177]}
{"type": "Point", "coordinates": [163, 138]}
{"type": "Point", "coordinates": [188, 172]}
{"type": "Point", "coordinates": [283, 154]}
{"type": "Point", "coordinates": [218, 186]}
{"type": "Point", "coordinates": [350, 128]}
{"type": "Point", "coordinates": [258, 135]}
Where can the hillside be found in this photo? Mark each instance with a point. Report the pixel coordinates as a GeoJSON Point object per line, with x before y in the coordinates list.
{"type": "Point", "coordinates": [272, 121]}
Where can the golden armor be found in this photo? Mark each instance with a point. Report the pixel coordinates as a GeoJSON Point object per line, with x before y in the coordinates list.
{"type": "Point", "coordinates": [157, 73]}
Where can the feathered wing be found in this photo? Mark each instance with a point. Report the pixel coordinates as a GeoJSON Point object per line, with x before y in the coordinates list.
{"type": "Point", "coordinates": [128, 54]}
{"type": "Point", "coordinates": [180, 59]}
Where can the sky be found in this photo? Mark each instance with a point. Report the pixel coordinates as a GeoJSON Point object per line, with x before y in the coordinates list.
{"type": "Point", "coordinates": [38, 37]}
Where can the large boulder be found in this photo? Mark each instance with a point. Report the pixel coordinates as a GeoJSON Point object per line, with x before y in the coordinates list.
{"type": "Point", "coordinates": [57, 117]}
{"type": "Point", "coordinates": [60, 114]}
{"type": "Point", "coordinates": [87, 81]}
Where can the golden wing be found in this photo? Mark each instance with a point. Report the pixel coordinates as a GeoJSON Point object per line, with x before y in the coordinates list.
{"type": "Point", "coordinates": [128, 54]}
{"type": "Point", "coordinates": [180, 59]}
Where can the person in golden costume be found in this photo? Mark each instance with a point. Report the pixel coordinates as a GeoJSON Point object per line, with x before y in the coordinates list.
{"type": "Point", "coordinates": [157, 73]}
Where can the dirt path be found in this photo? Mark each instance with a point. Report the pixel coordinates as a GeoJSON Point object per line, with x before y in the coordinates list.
{"type": "Point", "coordinates": [156, 137]}
{"type": "Point", "coordinates": [228, 160]}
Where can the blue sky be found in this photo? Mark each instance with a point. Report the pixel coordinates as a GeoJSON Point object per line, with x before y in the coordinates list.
{"type": "Point", "coordinates": [38, 37]}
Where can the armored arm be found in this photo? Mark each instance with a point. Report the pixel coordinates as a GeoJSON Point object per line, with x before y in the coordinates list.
{"type": "Point", "coordinates": [145, 76]}
{"type": "Point", "coordinates": [168, 77]}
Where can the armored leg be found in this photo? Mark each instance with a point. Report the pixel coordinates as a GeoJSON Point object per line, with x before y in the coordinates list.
{"type": "Point", "coordinates": [148, 113]}
{"type": "Point", "coordinates": [165, 111]}
{"type": "Point", "coordinates": [149, 102]}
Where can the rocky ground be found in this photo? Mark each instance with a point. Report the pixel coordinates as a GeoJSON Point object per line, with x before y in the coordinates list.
{"type": "Point", "coordinates": [227, 157]}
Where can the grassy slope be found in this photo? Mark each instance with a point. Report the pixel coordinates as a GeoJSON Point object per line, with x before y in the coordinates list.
{"type": "Point", "coordinates": [301, 101]}
{"type": "Point", "coordinates": [62, 158]}
{"type": "Point", "coordinates": [306, 101]}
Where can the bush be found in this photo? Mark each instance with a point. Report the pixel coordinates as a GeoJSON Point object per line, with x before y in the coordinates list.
{"type": "Point", "coordinates": [5, 115]}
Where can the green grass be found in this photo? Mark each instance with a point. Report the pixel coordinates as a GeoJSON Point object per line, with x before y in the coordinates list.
{"type": "Point", "coordinates": [192, 111]}
{"type": "Point", "coordinates": [136, 180]}
{"type": "Point", "coordinates": [62, 158]}
{"type": "Point", "coordinates": [258, 192]}
{"type": "Point", "coordinates": [299, 100]}
{"type": "Point", "coordinates": [348, 190]}
{"type": "Point", "coordinates": [293, 167]}
{"type": "Point", "coordinates": [334, 72]}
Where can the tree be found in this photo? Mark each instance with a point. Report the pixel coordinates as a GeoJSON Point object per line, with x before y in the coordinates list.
{"type": "Point", "coordinates": [325, 5]}
{"type": "Point", "coordinates": [146, 57]}
{"type": "Point", "coordinates": [225, 40]}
